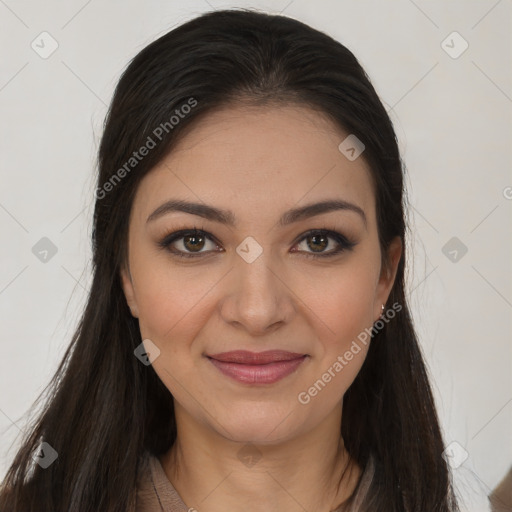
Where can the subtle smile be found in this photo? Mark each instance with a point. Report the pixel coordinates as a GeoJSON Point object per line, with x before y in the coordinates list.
{"type": "Point", "coordinates": [257, 368]}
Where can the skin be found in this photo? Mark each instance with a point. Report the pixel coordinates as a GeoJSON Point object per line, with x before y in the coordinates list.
{"type": "Point", "coordinates": [257, 162]}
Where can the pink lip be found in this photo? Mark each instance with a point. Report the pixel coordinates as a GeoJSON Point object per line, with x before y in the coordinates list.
{"type": "Point", "coordinates": [257, 368]}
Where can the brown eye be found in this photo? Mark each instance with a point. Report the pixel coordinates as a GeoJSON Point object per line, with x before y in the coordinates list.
{"type": "Point", "coordinates": [193, 242]}
{"type": "Point", "coordinates": [188, 243]}
{"type": "Point", "coordinates": [317, 241]}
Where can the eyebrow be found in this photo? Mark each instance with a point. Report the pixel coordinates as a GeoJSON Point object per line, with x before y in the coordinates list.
{"type": "Point", "coordinates": [228, 218]}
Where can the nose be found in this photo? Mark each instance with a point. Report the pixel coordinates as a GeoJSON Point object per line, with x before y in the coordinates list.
{"type": "Point", "coordinates": [257, 299]}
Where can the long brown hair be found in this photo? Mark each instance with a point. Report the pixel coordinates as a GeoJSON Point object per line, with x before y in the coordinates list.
{"type": "Point", "coordinates": [104, 408]}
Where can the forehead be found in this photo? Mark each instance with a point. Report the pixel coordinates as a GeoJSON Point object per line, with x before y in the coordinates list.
{"type": "Point", "coordinates": [258, 161]}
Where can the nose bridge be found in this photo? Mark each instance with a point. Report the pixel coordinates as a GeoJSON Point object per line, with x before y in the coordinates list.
{"type": "Point", "coordinates": [258, 299]}
{"type": "Point", "coordinates": [257, 277]}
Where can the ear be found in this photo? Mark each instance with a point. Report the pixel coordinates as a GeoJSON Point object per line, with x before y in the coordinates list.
{"type": "Point", "coordinates": [129, 291]}
{"type": "Point", "coordinates": [387, 276]}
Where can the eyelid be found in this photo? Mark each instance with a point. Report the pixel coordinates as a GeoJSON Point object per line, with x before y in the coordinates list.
{"type": "Point", "coordinates": [344, 242]}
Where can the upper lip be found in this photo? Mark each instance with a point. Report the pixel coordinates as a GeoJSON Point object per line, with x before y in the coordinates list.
{"type": "Point", "coordinates": [247, 357]}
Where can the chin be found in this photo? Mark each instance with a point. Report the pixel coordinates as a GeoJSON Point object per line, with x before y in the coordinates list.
{"type": "Point", "coordinates": [262, 426]}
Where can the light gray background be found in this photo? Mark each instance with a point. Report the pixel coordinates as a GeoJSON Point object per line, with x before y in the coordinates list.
{"type": "Point", "coordinates": [453, 120]}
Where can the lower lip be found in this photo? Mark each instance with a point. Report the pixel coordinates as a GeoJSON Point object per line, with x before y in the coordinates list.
{"type": "Point", "coordinates": [258, 373]}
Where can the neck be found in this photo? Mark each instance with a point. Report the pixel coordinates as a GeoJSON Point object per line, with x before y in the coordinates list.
{"type": "Point", "coordinates": [312, 471]}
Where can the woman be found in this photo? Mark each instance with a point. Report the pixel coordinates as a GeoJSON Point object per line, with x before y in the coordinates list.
{"type": "Point", "coordinates": [247, 340]}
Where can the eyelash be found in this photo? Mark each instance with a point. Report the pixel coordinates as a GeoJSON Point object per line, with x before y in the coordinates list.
{"type": "Point", "coordinates": [344, 243]}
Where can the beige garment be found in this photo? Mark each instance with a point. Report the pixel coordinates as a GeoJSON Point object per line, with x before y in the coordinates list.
{"type": "Point", "coordinates": [501, 496]}
{"type": "Point", "coordinates": [155, 493]}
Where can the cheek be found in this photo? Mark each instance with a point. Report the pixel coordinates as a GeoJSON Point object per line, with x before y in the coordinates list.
{"type": "Point", "coordinates": [171, 303]}
{"type": "Point", "coordinates": [343, 303]}
{"type": "Point", "coordinates": [345, 310]}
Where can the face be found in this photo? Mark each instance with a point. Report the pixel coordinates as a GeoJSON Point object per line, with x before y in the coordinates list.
{"type": "Point", "coordinates": [255, 277]}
